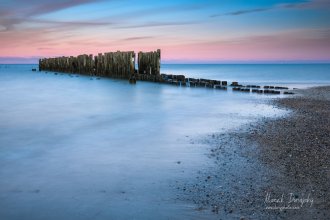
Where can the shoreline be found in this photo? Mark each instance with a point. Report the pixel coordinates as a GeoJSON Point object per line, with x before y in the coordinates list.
{"type": "Point", "coordinates": [275, 168]}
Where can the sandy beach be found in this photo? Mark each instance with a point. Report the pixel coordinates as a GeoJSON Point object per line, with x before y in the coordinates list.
{"type": "Point", "coordinates": [273, 169]}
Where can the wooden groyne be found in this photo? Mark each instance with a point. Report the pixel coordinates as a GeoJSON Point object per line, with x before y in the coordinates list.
{"type": "Point", "coordinates": [122, 65]}
{"type": "Point", "coordinates": [114, 64]}
{"type": "Point", "coordinates": [149, 63]}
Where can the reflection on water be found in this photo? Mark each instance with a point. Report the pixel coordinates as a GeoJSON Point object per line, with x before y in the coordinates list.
{"type": "Point", "coordinates": [81, 148]}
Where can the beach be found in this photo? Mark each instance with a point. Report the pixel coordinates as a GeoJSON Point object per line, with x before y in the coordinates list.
{"type": "Point", "coordinates": [285, 161]}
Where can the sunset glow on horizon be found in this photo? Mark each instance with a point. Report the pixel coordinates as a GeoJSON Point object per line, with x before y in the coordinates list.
{"type": "Point", "coordinates": [186, 31]}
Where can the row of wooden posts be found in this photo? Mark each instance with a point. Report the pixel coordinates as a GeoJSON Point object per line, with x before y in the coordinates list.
{"type": "Point", "coordinates": [122, 65]}
{"type": "Point", "coordinates": [113, 64]}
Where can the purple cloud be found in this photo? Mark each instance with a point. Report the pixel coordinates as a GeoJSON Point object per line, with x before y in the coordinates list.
{"type": "Point", "coordinates": [313, 4]}
{"type": "Point", "coordinates": [240, 12]}
{"type": "Point", "coordinates": [11, 14]}
{"type": "Point", "coordinates": [137, 38]}
{"type": "Point", "coordinates": [308, 5]}
{"type": "Point", "coordinates": [156, 24]}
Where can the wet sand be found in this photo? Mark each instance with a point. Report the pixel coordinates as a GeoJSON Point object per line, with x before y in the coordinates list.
{"type": "Point", "coordinates": [273, 169]}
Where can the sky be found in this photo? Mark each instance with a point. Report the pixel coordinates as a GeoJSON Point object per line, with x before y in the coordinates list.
{"type": "Point", "coordinates": [186, 31]}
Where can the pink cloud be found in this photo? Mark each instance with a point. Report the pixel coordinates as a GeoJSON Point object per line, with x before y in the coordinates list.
{"type": "Point", "coordinates": [283, 46]}
{"type": "Point", "coordinates": [58, 40]}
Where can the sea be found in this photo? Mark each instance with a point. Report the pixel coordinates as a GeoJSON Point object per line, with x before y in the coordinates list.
{"type": "Point", "coordinates": [80, 147]}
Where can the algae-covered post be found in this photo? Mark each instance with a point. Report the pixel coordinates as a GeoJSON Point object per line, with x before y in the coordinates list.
{"type": "Point", "coordinates": [114, 64]}
{"type": "Point", "coordinates": [149, 66]}
{"type": "Point", "coordinates": [149, 62]}
{"type": "Point", "coordinates": [119, 64]}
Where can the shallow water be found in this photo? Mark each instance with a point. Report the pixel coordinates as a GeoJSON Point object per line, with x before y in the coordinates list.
{"type": "Point", "coordinates": [74, 147]}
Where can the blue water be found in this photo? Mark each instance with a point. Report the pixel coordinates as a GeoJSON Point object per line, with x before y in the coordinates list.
{"type": "Point", "coordinates": [291, 75]}
{"type": "Point", "coordinates": [74, 147]}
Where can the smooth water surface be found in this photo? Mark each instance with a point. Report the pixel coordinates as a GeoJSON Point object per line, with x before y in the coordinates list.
{"type": "Point", "coordinates": [74, 147]}
{"type": "Point", "coordinates": [291, 75]}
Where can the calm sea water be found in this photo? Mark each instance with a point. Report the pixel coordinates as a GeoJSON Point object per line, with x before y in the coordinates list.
{"type": "Point", "coordinates": [81, 148]}
{"type": "Point", "coordinates": [291, 75]}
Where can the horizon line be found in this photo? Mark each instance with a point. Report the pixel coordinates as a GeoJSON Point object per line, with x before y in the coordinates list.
{"type": "Point", "coordinates": [219, 63]}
